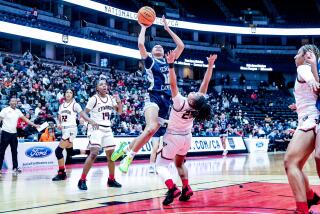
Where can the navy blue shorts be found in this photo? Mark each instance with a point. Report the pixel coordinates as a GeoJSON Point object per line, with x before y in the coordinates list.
{"type": "Point", "coordinates": [161, 100]}
{"type": "Point", "coordinates": [161, 131]}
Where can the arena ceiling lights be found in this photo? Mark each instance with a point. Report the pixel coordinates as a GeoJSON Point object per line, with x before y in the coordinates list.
{"type": "Point", "coordinates": [49, 36]}
{"type": "Point", "coordinates": [197, 26]}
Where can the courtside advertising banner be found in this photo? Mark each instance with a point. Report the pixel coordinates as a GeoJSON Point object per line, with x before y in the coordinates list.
{"type": "Point", "coordinates": [257, 145]}
{"type": "Point", "coordinates": [31, 154]}
{"type": "Point", "coordinates": [42, 154]}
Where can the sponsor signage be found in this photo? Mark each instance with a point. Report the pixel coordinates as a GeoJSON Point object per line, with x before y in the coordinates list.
{"type": "Point", "coordinates": [38, 152]}
{"type": "Point", "coordinates": [41, 154]}
{"type": "Point", "coordinates": [257, 145]}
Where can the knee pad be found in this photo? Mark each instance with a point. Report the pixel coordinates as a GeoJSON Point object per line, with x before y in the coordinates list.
{"type": "Point", "coordinates": [58, 152]}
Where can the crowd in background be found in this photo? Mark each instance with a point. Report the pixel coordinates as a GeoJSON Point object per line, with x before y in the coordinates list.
{"type": "Point", "coordinates": [39, 88]}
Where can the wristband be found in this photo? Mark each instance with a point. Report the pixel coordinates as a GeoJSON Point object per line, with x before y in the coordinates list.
{"type": "Point", "coordinates": [170, 65]}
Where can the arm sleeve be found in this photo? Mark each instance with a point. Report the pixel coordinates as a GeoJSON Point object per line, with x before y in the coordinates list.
{"type": "Point", "coordinates": [178, 102]}
{"type": "Point", "coordinates": [148, 62]}
{"type": "Point", "coordinates": [305, 72]}
{"type": "Point", "coordinates": [77, 108]}
{"type": "Point", "coordinates": [91, 103]}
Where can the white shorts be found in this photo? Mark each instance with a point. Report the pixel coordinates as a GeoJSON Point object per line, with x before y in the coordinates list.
{"type": "Point", "coordinates": [69, 133]}
{"type": "Point", "coordinates": [102, 138]}
{"type": "Point", "coordinates": [174, 144]}
{"type": "Point", "coordinates": [308, 122]}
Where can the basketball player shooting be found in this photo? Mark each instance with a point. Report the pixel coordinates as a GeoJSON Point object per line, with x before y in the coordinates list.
{"type": "Point", "coordinates": [158, 100]}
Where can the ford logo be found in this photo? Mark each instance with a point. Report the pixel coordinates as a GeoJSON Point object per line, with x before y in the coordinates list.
{"type": "Point", "coordinates": [259, 144]}
{"type": "Point", "coordinates": [38, 152]}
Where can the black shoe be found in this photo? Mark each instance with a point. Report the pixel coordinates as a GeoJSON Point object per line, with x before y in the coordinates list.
{"type": "Point", "coordinates": [170, 195]}
{"type": "Point", "coordinates": [113, 183]}
{"type": "Point", "coordinates": [17, 170]}
{"type": "Point", "coordinates": [314, 201]}
{"type": "Point", "coordinates": [60, 176]}
{"type": "Point", "coordinates": [82, 184]}
{"type": "Point", "coordinates": [186, 194]}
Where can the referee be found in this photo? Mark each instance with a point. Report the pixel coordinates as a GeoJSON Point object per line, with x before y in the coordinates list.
{"type": "Point", "coordinates": [9, 116]}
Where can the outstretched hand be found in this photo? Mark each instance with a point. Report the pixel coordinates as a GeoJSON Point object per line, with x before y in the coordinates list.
{"type": "Point", "coordinates": [211, 59]}
{"type": "Point", "coordinates": [165, 23]}
{"type": "Point", "coordinates": [117, 98]}
{"type": "Point", "coordinates": [143, 26]}
{"type": "Point", "coordinates": [171, 56]}
{"type": "Point", "coordinates": [310, 58]}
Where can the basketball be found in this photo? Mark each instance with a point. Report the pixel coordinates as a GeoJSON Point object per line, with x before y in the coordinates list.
{"type": "Point", "coordinates": [146, 16]}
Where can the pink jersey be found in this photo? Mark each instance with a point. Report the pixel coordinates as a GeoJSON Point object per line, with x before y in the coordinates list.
{"type": "Point", "coordinates": [305, 99]}
{"type": "Point", "coordinates": [181, 116]}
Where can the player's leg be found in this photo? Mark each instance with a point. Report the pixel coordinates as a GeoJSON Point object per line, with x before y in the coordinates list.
{"type": "Point", "coordinates": [64, 143]}
{"type": "Point", "coordinates": [179, 161]}
{"type": "Point", "coordinates": [298, 151]}
{"type": "Point", "coordinates": [109, 145]}
{"type": "Point", "coordinates": [183, 173]}
{"type": "Point", "coordinates": [70, 150]}
{"type": "Point", "coordinates": [152, 125]}
{"type": "Point", "coordinates": [155, 145]}
{"type": "Point", "coordinates": [95, 141]}
{"type": "Point", "coordinates": [224, 146]}
{"type": "Point", "coordinates": [313, 198]}
{"type": "Point", "coordinates": [111, 166]}
{"type": "Point", "coordinates": [163, 159]}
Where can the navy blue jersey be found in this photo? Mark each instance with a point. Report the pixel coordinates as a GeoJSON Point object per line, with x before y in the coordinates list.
{"type": "Point", "coordinates": [158, 75]}
{"type": "Point", "coordinates": [318, 100]}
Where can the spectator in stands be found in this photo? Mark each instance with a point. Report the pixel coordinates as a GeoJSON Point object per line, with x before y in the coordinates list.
{"type": "Point", "coordinates": [242, 80]}
{"type": "Point", "coordinates": [34, 13]}
{"type": "Point", "coordinates": [21, 126]}
{"type": "Point", "coordinates": [254, 96]}
{"type": "Point", "coordinates": [267, 119]}
{"type": "Point", "coordinates": [279, 140]}
{"type": "Point", "coordinates": [7, 60]}
{"type": "Point", "coordinates": [225, 103]}
{"type": "Point", "coordinates": [235, 99]}
{"type": "Point", "coordinates": [48, 135]}
{"type": "Point", "coordinates": [37, 110]}
{"type": "Point", "coordinates": [27, 55]}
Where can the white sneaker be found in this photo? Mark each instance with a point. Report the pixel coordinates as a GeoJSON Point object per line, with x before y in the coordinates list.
{"type": "Point", "coordinates": [225, 152]}
{"type": "Point", "coordinates": [152, 169]}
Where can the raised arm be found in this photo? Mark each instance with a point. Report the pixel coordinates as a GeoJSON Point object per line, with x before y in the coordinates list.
{"type": "Point", "coordinates": [313, 78]}
{"type": "Point", "coordinates": [180, 45]}
{"type": "Point", "coordinates": [118, 106]}
{"type": "Point", "coordinates": [141, 40]}
{"type": "Point", "coordinates": [207, 77]}
{"type": "Point", "coordinates": [170, 56]}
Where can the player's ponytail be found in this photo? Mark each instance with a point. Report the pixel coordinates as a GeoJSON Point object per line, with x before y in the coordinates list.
{"type": "Point", "coordinates": [203, 109]}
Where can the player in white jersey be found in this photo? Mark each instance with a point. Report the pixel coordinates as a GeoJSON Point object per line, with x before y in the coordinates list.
{"type": "Point", "coordinates": [67, 117]}
{"type": "Point", "coordinates": [303, 141]}
{"type": "Point", "coordinates": [177, 139]}
{"type": "Point", "coordinates": [100, 107]}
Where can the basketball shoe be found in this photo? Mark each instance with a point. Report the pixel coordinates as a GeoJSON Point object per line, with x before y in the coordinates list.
{"type": "Point", "coordinates": [119, 152]}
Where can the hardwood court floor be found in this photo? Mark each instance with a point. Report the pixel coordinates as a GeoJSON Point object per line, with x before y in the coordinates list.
{"type": "Point", "coordinates": [249, 183]}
